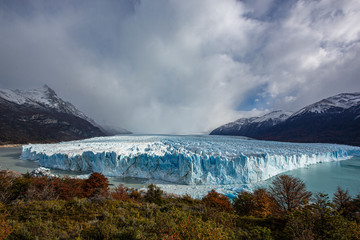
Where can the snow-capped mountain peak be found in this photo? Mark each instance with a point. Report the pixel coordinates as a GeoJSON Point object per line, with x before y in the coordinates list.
{"type": "Point", "coordinates": [268, 120]}
{"type": "Point", "coordinates": [340, 102]}
{"type": "Point", "coordinates": [43, 98]}
{"type": "Point", "coordinates": [39, 115]}
{"type": "Point", "coordinates": [276, 116]}
{"type": "Point", "coordinates": [333, 120]}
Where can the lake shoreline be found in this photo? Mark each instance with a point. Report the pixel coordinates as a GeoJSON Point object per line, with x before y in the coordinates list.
{"type": "Point", "coordinates": [11, 145]}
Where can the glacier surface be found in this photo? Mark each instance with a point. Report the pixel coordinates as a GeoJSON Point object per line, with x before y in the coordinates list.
{"type": "Point", "coordinates": [195, 160]}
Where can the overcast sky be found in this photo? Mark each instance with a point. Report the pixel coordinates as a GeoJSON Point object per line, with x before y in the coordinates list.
{"type": "Point", "coordinates": [171, 66]}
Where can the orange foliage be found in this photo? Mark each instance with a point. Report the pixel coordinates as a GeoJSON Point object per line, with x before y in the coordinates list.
{"type": "Point", "coordinates": [41, 188]}
{"type": "Point", "coordinates": [135, 195]}
{"type": "Point", "coordinates": [289, 192]}
{"type": "Point", "coordinates": [119, 193]}
{"type": "Point", "coordinates": [258, 204]}
{"type": "Point", "coordinates": [218, 201]}
{"type": "Point", "coordinates": [62, 188]}
{"type": "Point", "coordinates": [264, 204]}
{"type": "Point", "coordinates": [96, 184]}
{"type": "Point", "coordinates": [5, 228]}
{"type": "Point", "coordinates": [70, 188]}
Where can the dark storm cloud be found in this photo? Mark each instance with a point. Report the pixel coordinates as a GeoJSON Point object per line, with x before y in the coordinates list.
{"type": "Point", "coordinates": [168, 66]}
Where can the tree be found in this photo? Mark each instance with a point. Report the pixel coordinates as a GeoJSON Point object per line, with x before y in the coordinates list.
{"type": "Point", "coordinates": [96, 184]}
{"type": "Point", "coordinates": [217, 200]}
{"type": "Point", "coordinates": [154, 194]}
{"type": "Point", "coordinates": [289, 192]}
{"type": "Point", "coordinates": [320, 220]}
{"type": "Point", "coordinates": [342, 200]}
{"type": "Point", "coordinates": [264, 204]}
{"type": "Point", "coordinates": [244, 203]}
{"type": "Point", "coordinates": [258, 204]}
{"type": "Point", "coordinates": [120, 193]}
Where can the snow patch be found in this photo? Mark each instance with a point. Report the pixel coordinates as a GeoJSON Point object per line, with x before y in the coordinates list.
{"type": "Point", "coordinates": [341, 101]}
{"type": "Point", "coordinates": [43, 97]}
{"type": "Point", "coordinates": [42, 172]}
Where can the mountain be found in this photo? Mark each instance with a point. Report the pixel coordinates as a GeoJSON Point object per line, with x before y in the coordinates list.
{"type": "Point", "coordinates": [39, 115]}
{"type": "Point", "coordinates": [253, 126]}
{"type": "Point", "coordinates": [332, 120]}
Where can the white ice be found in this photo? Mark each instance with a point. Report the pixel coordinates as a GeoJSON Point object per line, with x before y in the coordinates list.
{"type": "Point", "coordinates": [191, 160]}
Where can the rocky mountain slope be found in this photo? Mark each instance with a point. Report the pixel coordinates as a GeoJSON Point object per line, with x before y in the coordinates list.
{"type": "Point", "coordinates": [332, 120]}
{"type": "Point", "coordinates": [252, 126]}
{"type": "Point", "coordinates": [39, 115]}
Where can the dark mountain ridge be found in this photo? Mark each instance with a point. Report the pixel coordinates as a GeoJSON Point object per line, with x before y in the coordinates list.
{"type": "Point", "coordinates": [332, 120]}
{"type": "Point", "coordinates": [39, 115]}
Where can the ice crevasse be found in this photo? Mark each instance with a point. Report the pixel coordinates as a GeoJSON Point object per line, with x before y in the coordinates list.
{"type": "Point", "coordinates": [185, 159]}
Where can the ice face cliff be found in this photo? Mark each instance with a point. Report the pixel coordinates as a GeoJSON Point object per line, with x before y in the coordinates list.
{"type": "Point", "coordinates": [185, 159]}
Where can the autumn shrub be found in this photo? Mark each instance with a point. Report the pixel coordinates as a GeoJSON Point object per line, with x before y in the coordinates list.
{"type": "Point", "coordinates": [5, 228]}
{"type": "Point", "coordinates": [73, 215]}
{"type": "Point", "coordinates": [13, 188]}
{"type": "Point", "coordinates": [5, 188]}
{"type": "Point", "coordinates": [66, 188]}
{"type": "Point", "coordinates": [264, 204]}
{"type": "Point", "coordinates": [96, 185]}
{"type": "Point", "coordinates": [341, 199]}
{"type": "Point", "coordinates": [217, 201]}
{"type": "Point", "coordinates": [69, 188]}
{"type": "Point", "coordinates": [41, 188]}
{"type": "Point", "coordinates": [120, 193]}
{"type": "Point", "coordinates": [135, 195]}
{"type": "Point", "coordinates": [343, 203]}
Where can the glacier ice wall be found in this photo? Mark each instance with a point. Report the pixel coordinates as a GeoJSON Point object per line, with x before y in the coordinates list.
{"type": "Point", "coordinates": [185, 159]}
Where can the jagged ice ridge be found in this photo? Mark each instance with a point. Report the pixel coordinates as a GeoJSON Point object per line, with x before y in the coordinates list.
{"type": "Point", "coordinates": [185, 159]}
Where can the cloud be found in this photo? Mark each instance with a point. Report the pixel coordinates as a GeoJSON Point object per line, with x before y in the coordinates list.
{"type": "Point", "coordinates": [310, 49]}
{"type": "Point", "coordinates": [180, 66]}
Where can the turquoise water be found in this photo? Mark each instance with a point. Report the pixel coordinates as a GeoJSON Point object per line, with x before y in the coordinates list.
{"type": "Point", "coordinates": [9, 160]}
{"type": "Point", "coordinates": [323, 177]}
{"type": "Point", "coordinates": [326, 177]}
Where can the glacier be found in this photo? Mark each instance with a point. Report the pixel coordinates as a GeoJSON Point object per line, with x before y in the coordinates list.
{"type": "Point", "coordinates": [190, 160]}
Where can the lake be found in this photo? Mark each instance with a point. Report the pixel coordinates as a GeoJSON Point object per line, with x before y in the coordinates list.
{"type": "Point", "coordinates": [326, 177]}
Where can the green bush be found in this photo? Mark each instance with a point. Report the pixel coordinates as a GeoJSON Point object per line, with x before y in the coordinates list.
{"type": "Point", "coordinates": [154, 195]}
{"type": "Point", "coordinates": [32, 213]}
{"type": "Point", "coordinates": [244, 203]}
